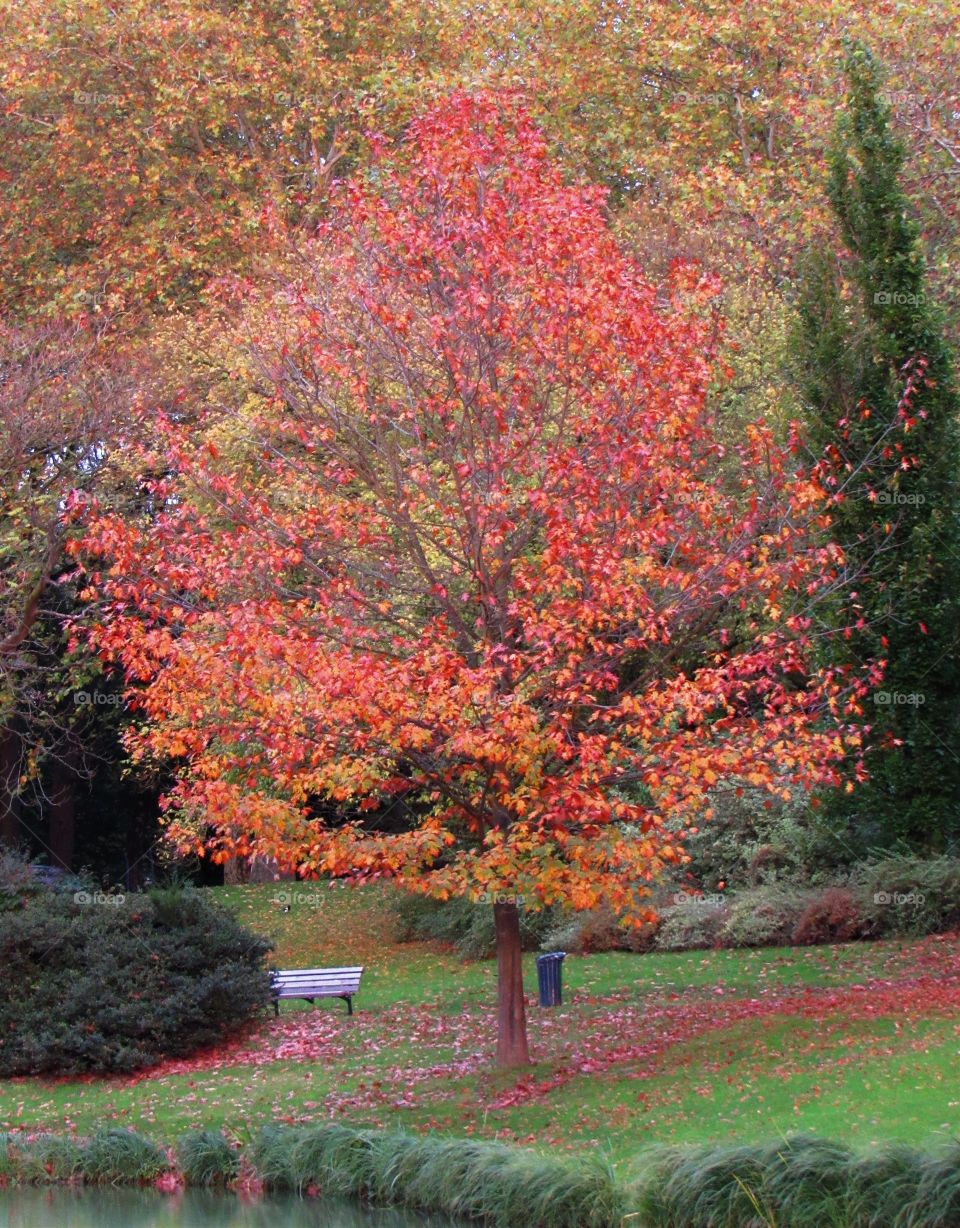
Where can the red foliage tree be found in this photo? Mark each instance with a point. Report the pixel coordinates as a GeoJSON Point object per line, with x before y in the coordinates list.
{"type": "Point", "coordinates": [476, 546]}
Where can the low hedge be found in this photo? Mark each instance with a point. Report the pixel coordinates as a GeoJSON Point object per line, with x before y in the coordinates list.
{"type": "Point", "coordinates": [799, 1182]}
{"type": "Point", "coordinates": [887, 897]}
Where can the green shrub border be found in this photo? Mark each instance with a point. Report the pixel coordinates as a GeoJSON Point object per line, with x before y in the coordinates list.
{"type": "Point", "coordinates": [798, 1182]}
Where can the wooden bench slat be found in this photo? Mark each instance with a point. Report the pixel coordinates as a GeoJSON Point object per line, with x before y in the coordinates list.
{"type": "Point", "coordinates": [310, 983]}
{"type": "Point", "coordinates": [326, 986]}
{"type": "Point", "coordinates": [330, 980]}
{"type": "Point", "coordinates": [320, 976]}
{"type": "Point", "coordinates": [318, 980]}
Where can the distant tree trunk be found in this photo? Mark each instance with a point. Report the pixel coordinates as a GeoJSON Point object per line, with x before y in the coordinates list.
{"type": "Point", "coordinates": [63, 809]}
{"type": "Point", "coordinates": [234, 870]}
{"type": "Point", "coordinates": [511, 1013]}
{"type": "Point", "coordinates": [137, 849]}
{"type": "Point", "coordinates": [10, 831]}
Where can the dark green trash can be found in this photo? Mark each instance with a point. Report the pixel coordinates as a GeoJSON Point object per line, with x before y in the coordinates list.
{"type": "Point", "coordinates": [549, 976]}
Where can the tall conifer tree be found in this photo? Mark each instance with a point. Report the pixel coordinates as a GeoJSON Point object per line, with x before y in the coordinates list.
{"type": "Point", "coordinates": [881, 388]}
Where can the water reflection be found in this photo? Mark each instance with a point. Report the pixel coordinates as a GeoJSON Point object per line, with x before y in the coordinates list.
{"type": "Point", "coordinates": [119, 1208]}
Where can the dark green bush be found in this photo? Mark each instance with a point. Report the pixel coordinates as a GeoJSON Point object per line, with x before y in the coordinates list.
{"type": "Point", "coordinates": [103, 983]}
{"type": "Point", "coordinates": [754, 839]}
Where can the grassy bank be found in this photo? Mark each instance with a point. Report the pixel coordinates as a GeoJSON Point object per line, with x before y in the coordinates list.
{"type": "Point", "coordinates": [856, 1042]}
{"type": "Point", "coordinates": [801, 1182]}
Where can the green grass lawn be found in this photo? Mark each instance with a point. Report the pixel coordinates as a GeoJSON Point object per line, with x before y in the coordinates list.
{"type": "Point", "coordinates": [859, 1043]}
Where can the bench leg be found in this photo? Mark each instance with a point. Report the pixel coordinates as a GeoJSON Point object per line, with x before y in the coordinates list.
{"type": "Point", "coordinates": [349, 1001]}
{"type": "Point", "coordinates": [276, 1007]}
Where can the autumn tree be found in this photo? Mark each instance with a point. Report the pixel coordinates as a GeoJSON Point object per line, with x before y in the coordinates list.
{"type": "Point", "coordinates": [470, 545]}
{"type": "Point", "coordinates": [882, 397]}
{"type": "Point", "coordinates": [147, 149]}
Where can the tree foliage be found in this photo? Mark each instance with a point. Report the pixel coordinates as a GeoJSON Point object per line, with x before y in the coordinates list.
{"type": "Point", "coordinates": [148, 149]}
{"type": "Point", "coordinates": [487, 558]}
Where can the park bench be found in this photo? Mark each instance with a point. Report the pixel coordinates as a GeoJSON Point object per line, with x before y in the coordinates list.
{"type": "Point", "coordinates": [311, 983]}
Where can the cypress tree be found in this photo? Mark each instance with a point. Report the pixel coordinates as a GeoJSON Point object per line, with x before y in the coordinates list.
{"type": "Point", "coordinates": [880, 385]}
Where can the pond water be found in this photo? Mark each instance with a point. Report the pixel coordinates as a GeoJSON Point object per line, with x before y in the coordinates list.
{"type": "Point", "coordinates": [120, 1208]}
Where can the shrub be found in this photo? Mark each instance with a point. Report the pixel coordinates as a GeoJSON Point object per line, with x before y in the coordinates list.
{"type": "Point", "coordinates": [465, 924]}
{"type": "Point", "coordinates": [832, 915]}
{"type": "Point", "coordinates": [114, 986]}
{"type": "Point", "coordinates": [17, 881]}
{"type": "Point", "coordinates": [698, 1186]}
{"type": "Point", "coordinates": [695, 925]}
{"type": "Point", "coordinates": [910, 895]}
{"type": "Point", "coordinates": [754, 839]}
{"type": "Point", "coordinates": [796, 1182]}
{"type": "Point", "coordinates": [270, 1155]}
{"type": "Point", "coordinates": [764, 916]}
{"type": "Point", "coordinates": [206, 1158]}
{"type": "Point", "coordinates": [337, 1159]}
{"type": "Point", "coordinates": [936, 1202]}
{"type": "Point", "coordinates": [53, 1158]}
{"type": "Point", "coordinates": [882, 1184]}
{"type": "Point", "coordinates": [585, 933]}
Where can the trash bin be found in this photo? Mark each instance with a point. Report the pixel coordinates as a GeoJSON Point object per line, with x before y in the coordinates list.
{"type": "Point", "coordinates": [549, 976]}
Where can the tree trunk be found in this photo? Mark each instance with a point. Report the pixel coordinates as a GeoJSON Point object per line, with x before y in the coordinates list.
{"type": "Point", "coordinates": [63, 809]}
{"type": "Point", "coordinates": [10, 832]}
{"type": "Point", "coordinates": [234, 871]}
{"type": "Point", "coordinates": [511, 1013]}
